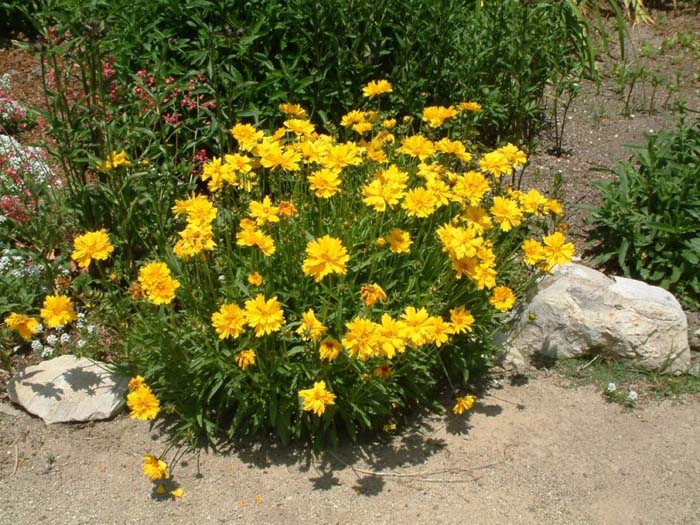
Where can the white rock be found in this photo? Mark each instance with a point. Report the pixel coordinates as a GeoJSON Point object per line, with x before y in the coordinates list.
{"type": "Point", "coordinates": [578, 311]}
{"type": "Point", "coordinates": [68, 389]}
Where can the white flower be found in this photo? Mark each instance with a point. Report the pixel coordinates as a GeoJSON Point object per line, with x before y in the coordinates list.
{"type": "Point", "coordinates": [611, 387]}
{"type": "Point", "coordinates": [48, 352]}
{"type": "Point", "coordinates": [632, 396]}
{"type": "Point", "coordinates": [39, 328]}
{"type": "Point", "coordinates": [65, 338]}
{"type": "Point", "coordinates": [37, 346]}
{"type": "Point", "coordinates": [81, 343]}
{"type": "Point", "coordinates": [91, 328]}
{"type": "Point", "coordinates": [51, 340]}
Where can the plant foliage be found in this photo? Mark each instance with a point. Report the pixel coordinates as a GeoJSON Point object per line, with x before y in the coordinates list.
{"type": "Point", "coordinates": [648, 223]}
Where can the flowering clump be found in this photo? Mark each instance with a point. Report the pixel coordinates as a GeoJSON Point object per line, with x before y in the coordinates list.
{"type": "Point", "coordinates": [352, 273]}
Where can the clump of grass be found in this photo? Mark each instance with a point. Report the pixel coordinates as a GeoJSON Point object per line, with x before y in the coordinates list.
{"type": "Point", "coordinates": [603, 374]}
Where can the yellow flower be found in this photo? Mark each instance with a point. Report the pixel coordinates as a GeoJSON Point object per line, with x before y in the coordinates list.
{"type": "Point", "coordinates": [377, 87]}
{"type": "Point", "coordinates": [399, 241]}
{"type": "Point", "coordinates": [135, 383]}
{"type": "Point", "coordinates": [515, 156]}
{"type": "Point", "coordinates": [211, 171]}
{"type": "Point", "coordinates": [554, 207]}
{"type": "Point", "coordinates": [24, 325]}
{"type": "Point", "coordinates": [57, 311]}
{"type": "Point", "coordinates": [341, 155]}
{"type": "Point", "coordinates": [361, 339]}
{"type": "Point", "coordinates": [352, 117]}
{"type": "Point", "coordinates": [478, 218]}
{"type": "Point", "coordinates": [194, 239]}
{"type": "Point", "coordinates": [556, 250]}
{"type": "Point", "coordinates": [466, 266]}
{"type": "Point", "coordinates": [389, 123]}
{"type": "Point", "coordinates": [440, 331]}
{"type": "Point", "coordinates": [287, 209]}
{"type": "Point", "coordinates": [533, 251]}
{"type": "Point", "coordinates": [419, 202]}
{"type": "Point", "coordinates": [245, 358]}
{"type": "Point", "coordinates": [246, 135]}
{"type": "Point", "coordinates": [325, 256]}
{"type": "Point", "coordinates": [310, 327]}
{"type": "Point", "coordinates": [300, 127]}
{"type": "Point", "coordinates": [418, 325]}
{"type": "Point", "coordinates": [264, 316]}
{"type": "Point", "coordinates": [154, 468]}
{"type": "Point", "coordinates": [462, 320]}
{"type": "Point", "coordinates": [157, 283]}
{"type": "Point", "coordinates": [506, 213]}
{"type": "Point", "coordinates": [362, 127]}
{"type": "Point", "coordinates": [417, 146]}
{"type": "Point", "coordinates": [316, 399]}
{"type": "Point", "coordinates": [392, 335]}
{"type": "Point", "coordinates": [198, 209]}
{"type": "Point", "coordinates": [459, 242]}
{"type": "Point", "coordinates": [496, 163]}
{"type": "Point", "coordinates": [387, 188]}
{"type": "Point", "coordinates": [471, 187]}
{"type": "Point", "coordinates": [113, 161]}
{"type": "Point", "coordinates": [91, 245]}
{"type": "Point", "coordinates": [502, 298]}
{"type": "Point", "coordinates": [251, 236]}
{"type": "Point", "coordinates": [463, 404]}
{"type": "Point", "coordinates": [255, 279]}
{"type": "Point", "coordinates": [329, 349]}
{"type": "Point", "coordinates": [325, 182]}
{"type": "Point", "coordinates": [484, 276]}
{"type": "Point", "coordinates": [372, 293]}
{"type": "Point", "coordinates": [177, 493]}
{"type": "Point", "coordinates": [264, 212]}
{"type": "Point", "coordinates": [273, 155]}
{"type": "Point", "coordinates": [453, 147]}
{"type": "Point", "coordinates": [229, 321]}
{"type": "Point", "coordinates": [142, 403]}
{"type": "Point", "coordinates": [293, 110]}
{"type": "Point", "coordinates": [474, 107]}
{"type": "Point", "coordinates": [435, 116]}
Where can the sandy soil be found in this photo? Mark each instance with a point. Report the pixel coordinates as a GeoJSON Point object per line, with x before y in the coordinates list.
{"type": "Point", "coordinates": [535, 450]}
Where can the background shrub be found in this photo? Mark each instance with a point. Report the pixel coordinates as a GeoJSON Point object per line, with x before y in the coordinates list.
{"type": "Point", "coordinates": [648, 224]}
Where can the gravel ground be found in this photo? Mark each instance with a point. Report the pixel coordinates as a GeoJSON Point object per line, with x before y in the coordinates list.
{"type": "Point", "coordinates": [534, 450]}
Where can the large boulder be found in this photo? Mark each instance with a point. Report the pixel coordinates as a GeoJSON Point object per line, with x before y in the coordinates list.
{"type": "Point", "coordinates": [68, 388]}
{"type": "Point", "coordinates": [578, 311]}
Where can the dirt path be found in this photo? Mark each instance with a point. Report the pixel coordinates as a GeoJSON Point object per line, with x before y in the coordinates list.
{"type": "Point", "coordinates": [541, 452]}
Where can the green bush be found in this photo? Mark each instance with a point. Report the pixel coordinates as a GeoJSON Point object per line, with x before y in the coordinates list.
{"type": "Point", "coordinates": [648, 223]}
{"type": "Point", "coordinates": [372, 275]}
{"type": "Point", "coordinates": [257, 54]}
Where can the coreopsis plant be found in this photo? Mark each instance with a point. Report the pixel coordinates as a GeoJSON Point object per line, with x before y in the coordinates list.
{"type": "Point", "coordinates": [323, 285]}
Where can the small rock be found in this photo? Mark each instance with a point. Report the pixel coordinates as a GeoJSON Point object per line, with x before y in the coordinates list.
{"type": "Point", "coordinates": [68, 388]}
{"type": "Point", "coordinates": [578, 311]}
